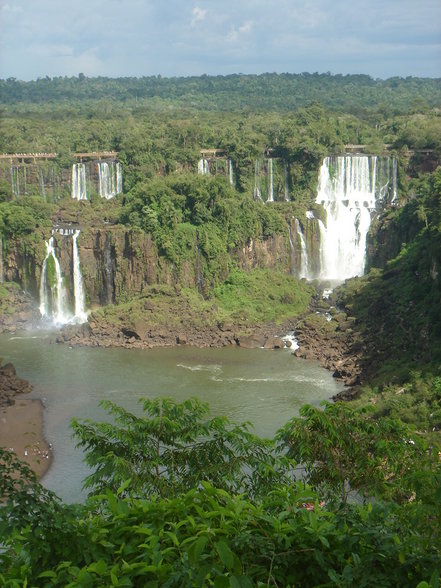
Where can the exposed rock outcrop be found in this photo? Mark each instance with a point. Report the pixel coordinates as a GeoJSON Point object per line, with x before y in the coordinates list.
{"type": "Point", "coordinates": [11, 384]}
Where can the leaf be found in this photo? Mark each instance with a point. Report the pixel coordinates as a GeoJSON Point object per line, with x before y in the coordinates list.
{"type": "Point", "coordinates": [196, 549]}
{"type": "Point", "coordinates": [98, 567]}
{"type": "Point", "coordinates": [47, 574]}
{"type": "Point", "coordinates": [123, 486]}
{"type": "Point", "coordinates": [225, 554]}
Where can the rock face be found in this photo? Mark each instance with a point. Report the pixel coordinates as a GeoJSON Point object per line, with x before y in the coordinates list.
{"type": "Point", "coordinates": [335, 345]}
{"type": "Point", "coordinates": [17, 310]}
{"type": "Point", "coordinates": [117, 262]}
{"type": "Point", "coordinates": [11, 384]}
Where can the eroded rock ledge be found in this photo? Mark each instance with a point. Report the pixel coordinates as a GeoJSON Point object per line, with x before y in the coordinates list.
{"type": "Point", "coordinates": [11, 385]}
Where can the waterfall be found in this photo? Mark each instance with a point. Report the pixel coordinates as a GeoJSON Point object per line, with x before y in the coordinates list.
{"type": "Point", "coordinates": [119, 178]}
{"type": "Point", "coordinates": [110, 179]}
{"type": "Point", "coordinates": [303, 270]}
{"type": "Point", "coordinates": [53, 293]}
{"type": "Point", "coordinates": [15, 180]}
{"type": "Point", "coordinates": [53, 298]}
{"type": "Point", "coordinates": [270, 181]}
{"type": "Point", "coordinates": [203, 167]}
{"type": "Point", "coordinates": [293, 251]}
{"type": "Point", "coordinates": [286, 183]}
{"type": "Point", "coordinates": [79, 189]}
{"type": "Point", "coordinates": [229, 167]}
{"type": "Point", "coordinates": [347, 192]}
{"type": "Point", "coordinates": [394, 179]}
{"type": "Point", "coordinates": [80, 310]}
{"type": "Point", "coordinates": [257, 190]}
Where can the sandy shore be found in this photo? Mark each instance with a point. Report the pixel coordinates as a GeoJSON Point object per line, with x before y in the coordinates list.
{"type": "Point", "coordinates": [21, 429]}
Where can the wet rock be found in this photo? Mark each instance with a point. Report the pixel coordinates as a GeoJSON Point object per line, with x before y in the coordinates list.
{"type": "Point", "coordinates": [251, 341]}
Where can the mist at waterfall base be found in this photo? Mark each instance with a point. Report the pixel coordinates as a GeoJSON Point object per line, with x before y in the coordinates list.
{"type": "Point", "coordinates": [264, 387]}
{"type": "Point", "coordinates": [54, 304]}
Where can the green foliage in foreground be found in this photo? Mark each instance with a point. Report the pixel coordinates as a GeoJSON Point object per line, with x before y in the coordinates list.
{"type": "Point", "coordinates": [199, 535]}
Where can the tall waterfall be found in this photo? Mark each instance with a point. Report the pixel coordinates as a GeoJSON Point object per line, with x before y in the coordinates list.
{"type": "Point", "coordinates": [347, 190]}
{"type": "Point", "coordinates": [286, 186]}
{"type": "Point", "coordinates": [203, 167]}
{"type": "Point", "coordinates": [80, 310]}
{"type": "Point", "coordinates": [270, 181]}
{"type": "Point", "coordinates": [110, 179]}
{"type": "Point", "coordinates": [257, 190]}
{"type": "Point", "coordinates": [79, 188]}
{"type": "Point", "coordinates": [303, 270]}
{"type": "Point", "coordinates": [230, 171]}
{"type": "Point", "coordinates": [53, 296]}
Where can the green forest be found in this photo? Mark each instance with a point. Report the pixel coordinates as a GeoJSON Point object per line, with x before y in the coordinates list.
{"type": "Point", "coordinates": [347, 494]}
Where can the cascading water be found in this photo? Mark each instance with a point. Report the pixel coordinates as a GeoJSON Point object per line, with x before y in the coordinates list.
{"type": "Point", "coordinates": [230, 171]}
{"type": "Point", "coordinates": [80, 310]}
{"type": "Point", "coordinates": [257, 190]}
{"type": "Point", "coordinates": [303, 270]}
{"type": "Point", "coordinates": [203, 167]}
{"type": "Point", "coordinates": [53, 296]}
{"type": "Point", "coordinates": [286, 187]}
{"type": "Point", "coordinates": [79, 188]}
{"type": "Point", "coordinates": [54, 304]}
{"type": "Point", "coordinates": [350, 187]}
{"type": "Point", "coordinates": [110, 179]}
{"type": "Point", "coordinates": [270, 181]}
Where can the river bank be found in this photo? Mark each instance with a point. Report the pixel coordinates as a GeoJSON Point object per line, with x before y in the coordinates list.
{"type": "Point", "coordinates": [22, 422]}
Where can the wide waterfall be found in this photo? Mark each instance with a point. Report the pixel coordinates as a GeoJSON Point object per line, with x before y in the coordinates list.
{"type": "Point", "coordinates": [79, 188]}
{"type": "Point", "coordinates": [52, 290]}
{"type": "Point", "coordinates": [54, 295]}
{"type": "Point", "coordinates": [110, 179]}
{"type": "Point", "coordinates": [350, 189]}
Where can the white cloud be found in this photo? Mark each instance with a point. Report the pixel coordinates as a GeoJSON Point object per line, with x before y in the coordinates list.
{"type": "Point", "coordinates": [178, 37]}
{"type": "Point", "coordinates": [199, 15]}
{"type": "Point", "coordinates": [11, 8]}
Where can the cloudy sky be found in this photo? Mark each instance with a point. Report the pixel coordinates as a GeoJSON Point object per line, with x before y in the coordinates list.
{"type": "Point", "coordinates": [382, 38]}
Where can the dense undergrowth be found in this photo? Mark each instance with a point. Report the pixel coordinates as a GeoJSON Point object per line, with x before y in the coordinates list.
{"type": "Point", "coordinates": [182, 499]}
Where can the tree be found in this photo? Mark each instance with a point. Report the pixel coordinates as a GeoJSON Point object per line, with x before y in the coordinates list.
{"type": "Point", "coordinates": [173, 449]}
{"type": "Point", "coordinates": [343, 450]}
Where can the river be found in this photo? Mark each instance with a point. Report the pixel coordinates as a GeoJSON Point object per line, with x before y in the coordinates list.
{"type": "Point", "coordinates": [261, 386]}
